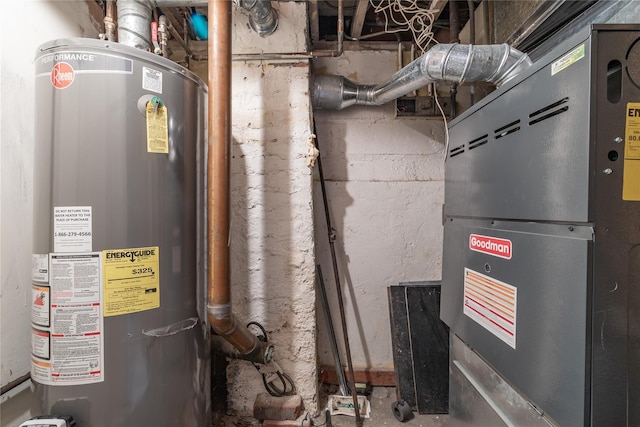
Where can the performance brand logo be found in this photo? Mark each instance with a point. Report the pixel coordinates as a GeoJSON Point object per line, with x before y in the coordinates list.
{"type": "Point", "coordinates": [490, 245]}
{"type": "Point", "coordinates": [62, 75]}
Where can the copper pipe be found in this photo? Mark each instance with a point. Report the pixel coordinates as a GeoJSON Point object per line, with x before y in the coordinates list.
{"type": "Point", "coordinates": [109, 21]}
{"type": "Point", "coordinates": [220, 313]}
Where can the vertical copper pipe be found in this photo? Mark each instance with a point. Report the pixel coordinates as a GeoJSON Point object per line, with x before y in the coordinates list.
{"type": "Point", "coordinates": [221, 316]}
{"type": "Point", "coordinates": [218, 179]}
{"type": "Point", "coordinates": [109, 21]}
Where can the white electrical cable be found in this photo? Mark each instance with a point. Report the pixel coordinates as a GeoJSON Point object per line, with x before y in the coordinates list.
{"type": "Point", "coordinates": [446, 126]}
{"type": "Point", "coordinates": [407, 15]}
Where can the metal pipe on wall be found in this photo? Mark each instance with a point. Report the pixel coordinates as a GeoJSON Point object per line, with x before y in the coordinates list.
{"type": "Point", "coordinates": [219, 307]}
{"type": "Point", "coordinates": [454, 37]}
{"type": "Point", "coordinates": [472, 41]}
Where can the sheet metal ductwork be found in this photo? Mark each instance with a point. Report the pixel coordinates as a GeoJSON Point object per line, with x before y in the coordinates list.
{"type": "Point", "coordinates": [134, 23]}
{"type": "Point", "coordinates": [451, 62]}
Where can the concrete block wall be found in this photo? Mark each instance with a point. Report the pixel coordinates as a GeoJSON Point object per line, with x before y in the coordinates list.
{"type": "Point", "coordinates": [272, 242]}
{"type": "Point", "coordinates": [385, 183]}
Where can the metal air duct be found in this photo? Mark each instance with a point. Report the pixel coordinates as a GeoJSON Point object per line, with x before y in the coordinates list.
{"type": "Point", "coordinates": [451, 62]}
{"type": "Point", "coordinates": [134, 23]}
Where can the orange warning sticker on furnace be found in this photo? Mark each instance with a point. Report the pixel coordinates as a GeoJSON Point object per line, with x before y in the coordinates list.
{"type": "Point", "coordinates": [492, 304]}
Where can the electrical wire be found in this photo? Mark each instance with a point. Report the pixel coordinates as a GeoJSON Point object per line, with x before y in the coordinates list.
{"type": "Point", "coordinates": [288, 388]}
{"type": "Point", "coordinates": [408, 15]}
{"type": "Point", "coordinates": [446, 126]}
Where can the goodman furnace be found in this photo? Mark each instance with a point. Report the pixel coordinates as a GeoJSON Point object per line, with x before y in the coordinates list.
{"type": "Point", "coordinates": [541, 274]}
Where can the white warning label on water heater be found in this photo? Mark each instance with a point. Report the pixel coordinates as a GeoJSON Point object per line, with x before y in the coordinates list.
{"type": "Point", "coordinates": [492, 304]}
{"type": "Point", "coordinates": [70, 351]}
{"type": "Point", "coordinates": [151, 80]}
{"type": "Point", "coordinates": [72, 229]}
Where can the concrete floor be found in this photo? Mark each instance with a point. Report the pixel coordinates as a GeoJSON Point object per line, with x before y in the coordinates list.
{"type": "Point", "coordinates": [381, 415]}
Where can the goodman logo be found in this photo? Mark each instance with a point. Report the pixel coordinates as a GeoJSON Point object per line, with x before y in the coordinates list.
{"type": "Point", "coordinates": [490, 245]}
{"type": "Point", "coordinates": [62, 75]}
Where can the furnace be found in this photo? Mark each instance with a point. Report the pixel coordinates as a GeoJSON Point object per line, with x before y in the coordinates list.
{"type": "Point", "coordinates": [541, 274]}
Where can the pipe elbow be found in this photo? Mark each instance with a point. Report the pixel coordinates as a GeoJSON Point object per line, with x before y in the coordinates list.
{"type": "Point", "coordinates": [249, 347]}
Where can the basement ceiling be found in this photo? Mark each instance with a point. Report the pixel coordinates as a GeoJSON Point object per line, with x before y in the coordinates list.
{"type": "Point", "coordinates": [524, 24]}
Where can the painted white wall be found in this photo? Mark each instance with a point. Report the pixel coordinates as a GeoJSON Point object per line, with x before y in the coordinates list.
{"type": "Point", "coordinates": [272, 243]}
{"type": "Point", "coordinates": [385, 184]}
{"type": "Point", "coordinates": [23, 27]}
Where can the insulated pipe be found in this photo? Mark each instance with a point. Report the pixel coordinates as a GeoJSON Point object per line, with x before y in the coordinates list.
{"type": "Point", "coordinates": [220, 313]}
{"type": "Point", "coordinates": [134, 23]}
{"type": "Point", "coordinates": [450, 62]}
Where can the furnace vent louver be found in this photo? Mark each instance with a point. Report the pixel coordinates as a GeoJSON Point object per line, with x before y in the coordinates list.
{"type": "Point", "coordinates": [478, 142]}
{"type": "Point", "coordinates": [537, 116]}
{"type": "Point", "coordinates": [550, 110]}
{"type": "Point", "coordinates": [507, 129]}
{"type": "Point", "coordinates": [456, 151]}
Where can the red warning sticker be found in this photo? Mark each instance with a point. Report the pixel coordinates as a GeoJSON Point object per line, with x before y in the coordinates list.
{"type": "Point", "coordinates": [490, 245]}
{"type": "Point", "coordinates": [62, 75]}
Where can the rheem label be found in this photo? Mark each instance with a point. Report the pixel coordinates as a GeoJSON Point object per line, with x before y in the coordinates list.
{"type": "Point", "coordinates": [62, 75]}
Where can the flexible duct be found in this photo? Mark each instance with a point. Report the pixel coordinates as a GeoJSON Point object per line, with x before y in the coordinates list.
{"type": "Point", "coordinates": [220, 312]}
{"type": "Point", "coordinates": [451, 62]}
{"type": "Point", "coordinates": [134, 23]}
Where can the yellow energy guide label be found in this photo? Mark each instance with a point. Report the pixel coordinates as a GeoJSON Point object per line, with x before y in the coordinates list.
{"type": "Point", "coordinates": [631, 174]}
{"type": "Point", "coordinates": [131, 280]}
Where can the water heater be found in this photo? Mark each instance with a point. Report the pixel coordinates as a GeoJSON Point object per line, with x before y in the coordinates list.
{"type": "Point", "coordinates": [119, 330]}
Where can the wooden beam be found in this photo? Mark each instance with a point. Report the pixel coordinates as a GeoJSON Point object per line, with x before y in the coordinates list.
{"type": "Point", "coordinates": [437, 6]}
{"type": "Point", "coordinates": [375, 378]}
{"type": "Point", "coordinates": [357, 22]}
{"type": "Point", "coordinates": [97, 16]}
